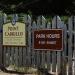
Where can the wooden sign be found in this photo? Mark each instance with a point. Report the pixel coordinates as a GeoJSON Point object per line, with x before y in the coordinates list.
{"type": "Point", "coordinates": [51, 39]}
{"type": "Point", "coordinates": [14, 35]}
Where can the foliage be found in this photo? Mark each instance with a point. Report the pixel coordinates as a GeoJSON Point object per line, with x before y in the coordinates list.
{"type": "Point", "coordinates": [39, 7]}
{"type": "Point", "coordinates": [65, 18]}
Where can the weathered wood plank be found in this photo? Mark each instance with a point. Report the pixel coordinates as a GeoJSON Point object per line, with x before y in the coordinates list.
{"type": "Point", "coordinates": [29, 41]}
{"type": "Point", "coordinates": [25, 48]}
{"type": "Point", "coordinates": [20, 56]}
{"type": "Point", "coordinates": [54, 24]}
{"type": "Point", "coordinates": [73, 59]}
{"type": "Point", "coordinates": [33, 51]}
{"type": "Point", "coordinates": [8, 55]}
{"type": "Point", "coordinates": [38, 52]}
{"type": "Point", "coordinates": [74, 49]}
{"type": "Point", "coordinates": [60, 25]}
{"type": "Point", "coordinates": [24, 56]}
{"type": "Point", "coordinates": [43, 26]}
{"type": "Point", "coordinates": [5, 18]}
{"type": "Point", "coordinates": [12, 56]}
{"type": "Point", "coordinates": [1, 40]}
{"type": "Point", "coordinates": [4, 55]}
{"type": "Point", "coordinates": [1, 48]}
{"type": "Point", "coordinates": [49, 52]}
{"type": "Point", "coordinates": [64, 54]}
{"type": "Point", "coordinates": [16, 57]}
{"type": "Point", "coordinates": [70, 24]}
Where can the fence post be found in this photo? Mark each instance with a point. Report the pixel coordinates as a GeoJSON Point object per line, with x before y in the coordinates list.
{"type": "Point", "coordinates": [1, 33]}
{"type": "Point", "coordinates": [4, 20]}
{"type": "Point", "coordinates": [29, 41]}
{"type": "Point", "coordinates": [54, 25]}
{"type": "Point", "coordinates": [70, 24]}
{"type": "Point", "coordinates": [25, 48]}
{"type": "Point", "coordinates": [43, 26]}
{"type": "Point", "coordinates": [73, 59]}
{"type": "Point", "coordinates": [38, 52]}
{"type": "Point", "coordinates": [34, 27]}
{"type": "Point", "coordinates": [48, 54]}
{"type": "Point", "coordinates": [59, 26]}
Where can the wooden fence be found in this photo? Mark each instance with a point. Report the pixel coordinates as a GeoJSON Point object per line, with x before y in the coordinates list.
{"type": "Point", "coordinates": [53, 60]}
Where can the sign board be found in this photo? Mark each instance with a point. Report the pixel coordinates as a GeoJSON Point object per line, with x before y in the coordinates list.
{"type": "Point", "coordinates": [14, 35]}
{"type": "Point", "coordinates": [51, 39]}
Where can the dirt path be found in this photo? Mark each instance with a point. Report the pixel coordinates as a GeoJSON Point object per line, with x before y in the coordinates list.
{"type": "Point", "coordinates": [2, 73]}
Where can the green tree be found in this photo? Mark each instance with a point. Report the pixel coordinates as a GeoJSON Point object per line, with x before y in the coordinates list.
{"type": "Point", "coordinates": [38, 7]}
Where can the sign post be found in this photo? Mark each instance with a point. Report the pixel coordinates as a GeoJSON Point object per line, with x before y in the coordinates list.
{"type": "Point", "coordinates": [51, 39]}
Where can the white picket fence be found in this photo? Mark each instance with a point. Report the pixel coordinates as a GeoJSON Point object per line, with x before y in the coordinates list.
{"type": "Point", "coordinates": [55, 61]}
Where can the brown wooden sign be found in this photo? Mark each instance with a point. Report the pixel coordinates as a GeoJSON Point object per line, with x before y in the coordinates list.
{"type": "Point", "coordinates": [51, 39]}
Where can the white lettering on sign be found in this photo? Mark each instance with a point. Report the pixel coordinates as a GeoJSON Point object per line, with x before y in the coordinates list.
{"type": "Point", "coordinates": [51, 42]}
{"type": "Point", "coordinates": [52, 35]}
{"type": "Point", "coordinates": [40, 35]}
{"type": "Point", "coordinates": [41, 42]}
{"type": "Point", "coordinates": [47, 42]}
{"type": "Point", "coordinates": [47, 35]}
